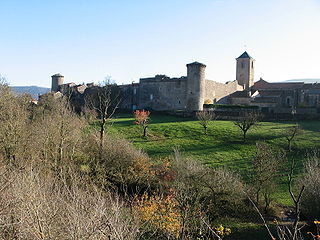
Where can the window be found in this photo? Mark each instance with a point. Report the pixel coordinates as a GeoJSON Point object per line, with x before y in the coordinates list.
{"type": "Point", "coordinates": [288, 101]}
{"type": "Point", "coordinates": [252, 65]}
{"type": "Point", "coordinates": [242, 64]}
{"type": "Point", "coordinates": [151, 97]}
{"type": "Point", "coordinates": [135, 91]}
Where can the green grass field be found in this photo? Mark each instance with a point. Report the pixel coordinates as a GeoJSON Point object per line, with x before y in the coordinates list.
{"type": "Point", "coordinates": [222, 146]}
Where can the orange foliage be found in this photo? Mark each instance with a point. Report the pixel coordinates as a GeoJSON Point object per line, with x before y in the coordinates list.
{"type": "Point", "coordinates": [164, 172]}
{"type": "Point", "coordinates": [141, 117]}
{"type": "Point", "coordinates": [161, 212]}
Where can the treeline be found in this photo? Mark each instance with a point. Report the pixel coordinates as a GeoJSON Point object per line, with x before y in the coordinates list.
{"type": "Point", "coordinates": [60, 178]}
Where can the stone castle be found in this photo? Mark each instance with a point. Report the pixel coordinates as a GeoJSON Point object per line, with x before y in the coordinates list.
{"type": "Point", "coordinates": [189, 93]}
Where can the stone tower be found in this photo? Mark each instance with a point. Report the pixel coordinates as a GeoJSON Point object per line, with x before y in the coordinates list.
{"type": "Point", "coordinates": [245, 70]}
{"type": "Point", "coordinates": [57, 81]}
{"type": "Point", "coordinates": [195, 86]}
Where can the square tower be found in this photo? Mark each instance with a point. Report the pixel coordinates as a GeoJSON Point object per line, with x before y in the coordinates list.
{"type": "Point", "coordinates": [245, 70]}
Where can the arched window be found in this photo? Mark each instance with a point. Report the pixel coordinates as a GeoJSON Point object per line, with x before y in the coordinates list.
{"type": "Point", "coordinates": [288, 101]}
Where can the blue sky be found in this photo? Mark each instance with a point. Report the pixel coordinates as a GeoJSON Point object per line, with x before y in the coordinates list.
{"type": "Point", "coordinates": [129, 39]}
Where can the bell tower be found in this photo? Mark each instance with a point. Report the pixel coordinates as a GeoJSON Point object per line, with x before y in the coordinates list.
{"type": "Point", "coordinates": [245, 70]}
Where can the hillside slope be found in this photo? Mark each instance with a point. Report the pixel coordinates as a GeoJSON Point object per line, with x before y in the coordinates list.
{"type": "Point", "coordinates": [34, 91]}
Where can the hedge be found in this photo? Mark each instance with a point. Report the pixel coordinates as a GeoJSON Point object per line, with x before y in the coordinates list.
{"type": "Point", "coordinates": [229, 106]}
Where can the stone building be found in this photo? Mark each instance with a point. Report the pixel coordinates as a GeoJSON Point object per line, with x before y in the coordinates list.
{"type": "Point", "coordinates": [190, 92]}
{"type": "Point", "coordinates": [162, 93]}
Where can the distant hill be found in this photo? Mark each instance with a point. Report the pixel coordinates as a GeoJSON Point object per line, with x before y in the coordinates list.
{"type": "Point", "coordinates": [34, 91]}
{"type": "Point", "coordinates": [306, 80]}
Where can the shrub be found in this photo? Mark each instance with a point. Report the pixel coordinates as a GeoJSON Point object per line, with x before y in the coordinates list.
{"type": "Point", "coordinates": [13, 128]}
{"type": "Point", "coordinates": [120, 166]}
{"type": "Point", "coordinates": [208, 101]}
{"type": "Point", "coordinates": [161, 215]}
{"type": "Point", "coordinates": [310, 204]}
{"type": "Point", "coordinates": [266, 164]}
{"type": "Point", "coordinates": [217, 106]}
{"type": "Point", "coordinates": [41, 205]}
{"type": "Point", "coordinates": [203, 192]}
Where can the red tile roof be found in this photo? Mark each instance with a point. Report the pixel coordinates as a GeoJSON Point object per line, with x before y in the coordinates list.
{"type": "Point", "coordinates": [262, 84]}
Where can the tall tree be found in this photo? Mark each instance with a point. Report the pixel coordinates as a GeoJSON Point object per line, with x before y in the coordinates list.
{"type": "Point", "coordinates": [105, 101]}
{"type": "Point", "coordinates": [265, 168]}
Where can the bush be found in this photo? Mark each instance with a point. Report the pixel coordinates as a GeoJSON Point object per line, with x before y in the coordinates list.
{"type": "Point", "coordinates": [120, 165]}
{"type": "Point", "coordinates": [161, 215]}
{"type": "Point", "coordinates": [217, 106]}
{"type": "Point", "coordinates": [310, 204]}
{"type": "Point", "coordinates": [203, 192]}
{"type": "Point", "coordinates": [41, 205]}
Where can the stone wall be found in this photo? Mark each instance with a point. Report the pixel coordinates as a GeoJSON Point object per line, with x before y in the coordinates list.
{"type": "Point", "coordinates": [162, 93]}
{"type": "Point", "coordinates": [218, 92]}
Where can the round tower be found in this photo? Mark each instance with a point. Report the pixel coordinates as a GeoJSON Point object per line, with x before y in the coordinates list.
{"type": "Point", "coordinates": [245, 70]}
{"type": "Point", "coordinates": [195, 86]}
{"type": "Point", "coordinates": [57, 81]}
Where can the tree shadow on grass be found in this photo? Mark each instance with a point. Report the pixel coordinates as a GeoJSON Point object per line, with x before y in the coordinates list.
{"type": "Point", "coordinates": [198, 149]}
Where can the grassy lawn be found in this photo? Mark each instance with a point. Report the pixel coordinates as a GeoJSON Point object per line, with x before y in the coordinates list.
{"type": "Point", "coordinates": [222, 146]}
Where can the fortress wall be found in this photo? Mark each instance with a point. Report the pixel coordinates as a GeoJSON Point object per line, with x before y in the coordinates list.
{"type": "Point", "coordinates": [130, 96]}
{"type": "Point", "coordinates": [218, 91]}
{"type": "Point", "coordinates": [168, 94]}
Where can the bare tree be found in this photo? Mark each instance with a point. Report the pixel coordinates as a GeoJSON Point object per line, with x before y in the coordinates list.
{"type": "Point", "coordinates": [13, 118]}
{"type": "Point", "coordinates": [202, 193]}
{"type": "Point", "coordinates": [291, 133]}
{"type": "Point", "coordinates": [245, 123]}
{"type": "Point", "coordinates": [296, 200]}
{"type": "Point", "coordinates": [205, 117]}
{"type": "Point", "coordinates": [311, 179]}
{"type": "Point", "coordinates": [285, 232]}
{"type": "Point", "coordinates": [38, 204]}
{"type": "Point", "coordinates": [105, 101]}
{"type": "Point", "coordinates": [265, 166]}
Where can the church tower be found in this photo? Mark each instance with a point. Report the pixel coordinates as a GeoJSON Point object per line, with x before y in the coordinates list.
{"type": "Point", "coordinates": [245, 70]}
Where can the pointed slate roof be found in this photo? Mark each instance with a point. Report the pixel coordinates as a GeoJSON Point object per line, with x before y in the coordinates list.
{"type": "Point", "coordinates": [244, 55]}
